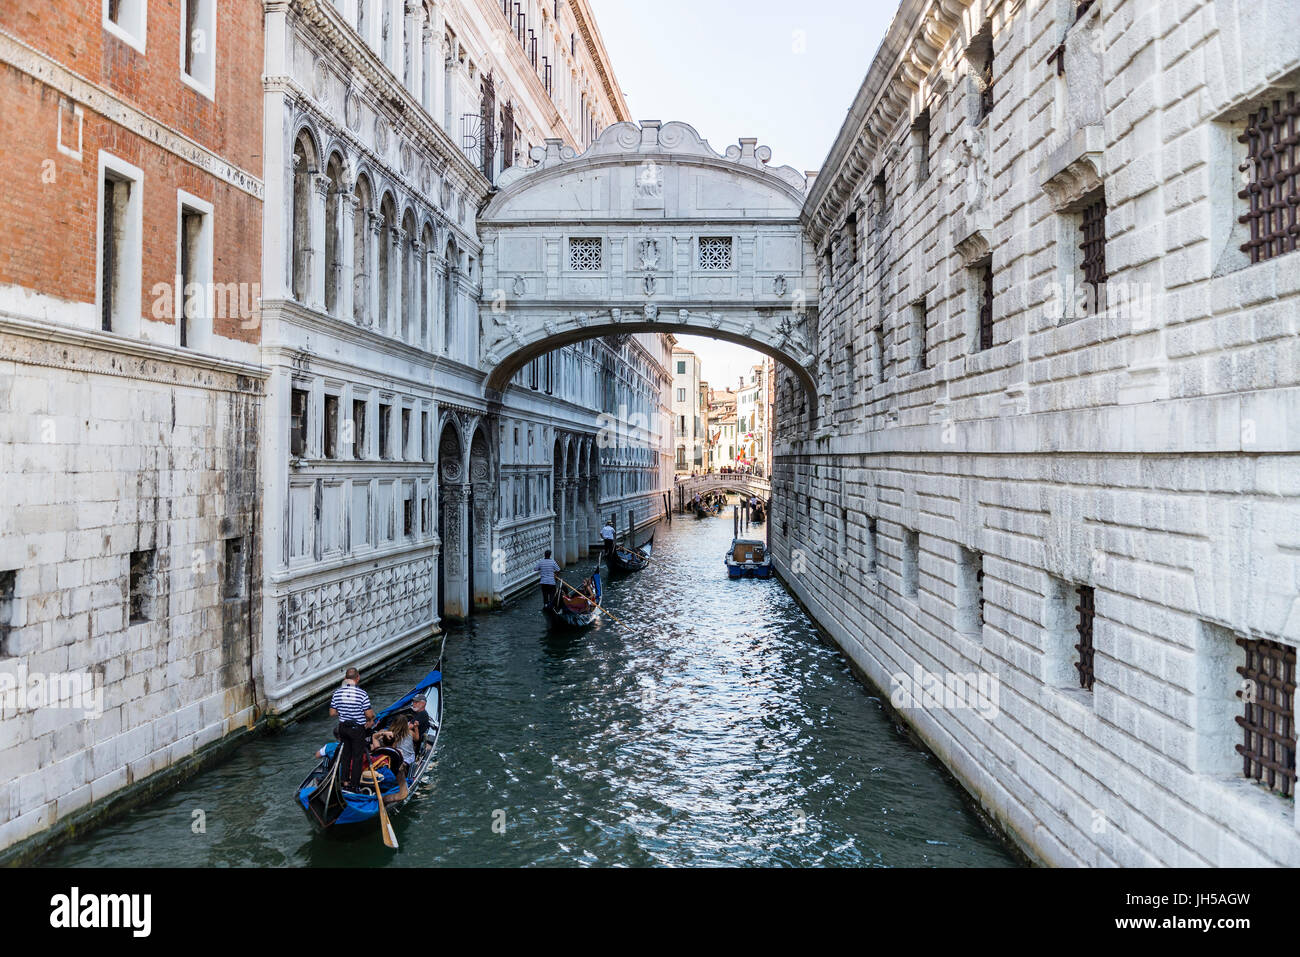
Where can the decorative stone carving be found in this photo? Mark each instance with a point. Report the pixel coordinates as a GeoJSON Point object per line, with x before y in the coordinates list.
{"type": "Point", "coordinates": [381, 135]}
{"type": "Point", "coordinates": [352, 111]}
{"type": "Point", "coordinates": [651, 312]}
{"type": "Point", "coordinates": [648, 285]}
{"type": "Point", "coordinates": [580, 320]}
{"type": "Point", "coordinates": [779, 286]}
{"type": "Point", "coordinates": [1074, 169]}
{"type": "Point", "coordinates": [648, 254]}
{"type": "Point", "coordinates": [519, 286]}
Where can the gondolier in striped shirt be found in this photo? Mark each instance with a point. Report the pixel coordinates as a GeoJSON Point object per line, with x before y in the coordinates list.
{"type": "Point", "coordinates": [546, 569]}
{"type": "Point", "coordinates": [352, 707]}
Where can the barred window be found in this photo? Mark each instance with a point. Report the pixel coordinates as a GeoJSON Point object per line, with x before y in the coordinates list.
{"type": "Point", "coordinates": [1268, 725]}
{"type": "Point", "coordinates": [1092, 236]}
{"type": "Point", "coordinates": [715, 252]}
{"type": "Point", "coordinates": [984, 275]}
{"type": "Point", "coordinates": [1086, 608]}
{"type": "Point", "coordinates": [584, 254]}
{"type": "Point", "coordinates": [1272, 175]}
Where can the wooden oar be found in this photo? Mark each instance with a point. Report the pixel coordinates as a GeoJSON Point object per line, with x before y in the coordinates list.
{"type": "Point", "coordinates": [638, 554]}
{"type": "Point", "coordinates": [385, 828]}
{"type": "Point", "coordinates": [587, 598]}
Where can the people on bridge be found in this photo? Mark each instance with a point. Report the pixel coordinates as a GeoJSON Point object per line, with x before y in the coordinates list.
{"type": "Point", "coordinates": [546, 570]}
{"type": "Point", "coordinates": [607, 537]}
{"type": "Point", "coordinates": [352, 707]}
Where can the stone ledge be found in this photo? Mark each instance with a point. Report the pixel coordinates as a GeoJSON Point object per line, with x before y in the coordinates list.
{"type": "Point", "coordinates": [1075, 168]}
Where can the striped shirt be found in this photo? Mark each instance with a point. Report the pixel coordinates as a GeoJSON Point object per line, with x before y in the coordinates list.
{"type": "Point", "coordinates": [546, 569]}
{"type": "Point", "coordinates": [351, 703]}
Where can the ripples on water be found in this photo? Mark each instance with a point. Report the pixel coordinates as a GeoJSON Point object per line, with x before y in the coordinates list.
{"type": "Point", "coordinates": [710, 725]}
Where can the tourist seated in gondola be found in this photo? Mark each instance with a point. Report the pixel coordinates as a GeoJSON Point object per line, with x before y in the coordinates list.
{"type": "Point", "coordinates": [398, 742]}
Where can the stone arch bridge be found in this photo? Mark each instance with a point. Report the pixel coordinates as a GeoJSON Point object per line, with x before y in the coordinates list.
{"type": "Point", "coordinates": [649, 230]}
{"type": "Point", "coordinates": [742, 484]}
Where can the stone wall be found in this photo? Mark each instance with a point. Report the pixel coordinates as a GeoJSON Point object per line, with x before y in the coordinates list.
{"type": "Point", "coordinates": [111, 458]}
{"type": "Point", "coordinates": [945, 501]}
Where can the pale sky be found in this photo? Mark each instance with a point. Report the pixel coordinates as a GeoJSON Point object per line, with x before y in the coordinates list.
{"type": "Point", "coordinates": [783, 72]}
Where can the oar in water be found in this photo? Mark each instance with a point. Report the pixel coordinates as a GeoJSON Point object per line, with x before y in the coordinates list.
{"type": "Point", "coordinates": [586, 597]}
{"type": "Point", "coordinates": [385, 827]}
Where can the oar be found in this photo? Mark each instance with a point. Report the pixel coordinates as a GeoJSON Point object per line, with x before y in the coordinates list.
{"type": "Point", "coordinates": [587, 598]}
{"type": "Point", "coordinates": [385, 828]}
{"type": "Point", "coordinates": [638, 554]}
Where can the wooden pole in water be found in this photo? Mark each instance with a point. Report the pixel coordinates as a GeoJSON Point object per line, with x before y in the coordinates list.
{"type": "Point", "coordinates": [735, 522]}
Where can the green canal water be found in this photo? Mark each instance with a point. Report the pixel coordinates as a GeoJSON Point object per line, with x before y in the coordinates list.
{"type": "Point", "coordinates": [710, 725]}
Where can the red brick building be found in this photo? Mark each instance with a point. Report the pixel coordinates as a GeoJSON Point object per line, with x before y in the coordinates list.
{"type": "Point", "coordinates": [131, 139]}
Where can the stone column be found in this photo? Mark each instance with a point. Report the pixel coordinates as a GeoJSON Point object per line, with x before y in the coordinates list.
{"type": "Point", "coordinates": [451, 321]}
{"type": "Point", "coordinates": [348, 205]}
{"type": "Point", "coordinates": [427, 55]}
{"type": "Point", "coordinates": [320, 184]}
{"type": "Point", "coordinates": [571, 553]}
{"type": "Point", "coordinates": [397, 247]}
{"type": "Point", "coordinates": [411, 47]}
{"type": "Point", "coordinates": [429, 283]}
{"type": "Point", "coordinates": [593, 508]}
{"type": "Point", "coordinates": [455, 551]}
{"type": "Point", "coordinates": [376, 226]}
{"type": "Point", "coordinates": [416, 290]}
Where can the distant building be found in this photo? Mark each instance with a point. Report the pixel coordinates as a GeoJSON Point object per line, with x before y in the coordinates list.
{"type": "Point", "coordinates": [689, 413]}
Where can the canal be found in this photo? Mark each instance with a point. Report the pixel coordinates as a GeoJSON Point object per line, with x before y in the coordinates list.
{"type": "Point", "coordinates": [709, 725]}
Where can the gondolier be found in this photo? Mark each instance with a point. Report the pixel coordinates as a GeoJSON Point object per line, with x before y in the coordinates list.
{"type": "Point", "coordinates": [352, 707]}
{"type": "Point", "coordinates": [546, 569]}
{"type": "Point", "coordinates": [607, 538]}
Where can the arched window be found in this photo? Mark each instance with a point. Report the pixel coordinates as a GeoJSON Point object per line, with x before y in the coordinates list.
{"type": "Point", "coordinates": [334, 235]}
{"type": "Point", "coordinates": [388, 219]}
{"type": "Point", "coordinates": [423, 281]}
{"type": "Point", "coordinates": [449, 298]}
{"type": "Point", "coordinates": [410, 272]}
{"type": "Point", "coordinates": [361, 265]}
{"type": "Point", "coordinates": [304, 168]}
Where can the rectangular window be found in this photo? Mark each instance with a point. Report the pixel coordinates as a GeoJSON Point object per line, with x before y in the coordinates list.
{"type": "Point", "coordinates": [331, 426]}
{"type": "Point", "coordinates": [715, 252]}
{"type": "Point", "coordinates": [125, 19]}
{"type": "Point", "coordinates": [921, 145]}
{"type": "Point", "coordinates": [878, 352]}
{"type": "Point", "coordinates": [234, 570]}
{"type": "Point", "coordinates": [585, 254]}
{"type": "Point", "coordinates": [681, 395]}
{"type": "Point", "coordinates": [199, 45]}
{"type": "Point", "coordinates": [406, 438]}
{"type": "Point", "coordinates": [8, 580]}
{"type": "Point", "coordinates": [920, 360]}
{"type": "Point", "coordinates": [408, 510]}
{"type": "Point", "coordinates": [299, 404]}
{"type": "Point", "coordinates": [1086, 607]}
{"type": "Point", "coordinates": [191, 303]}
{"type": "Point", "coordinates": [911, 563]}
{"type": "Point", "coordinates": [360, 515]}
{"type": "Point", "coordinates": [424, 436]}
{"type": "Point", "coordinates": [681, 368]}
{"type": "Point", "coordinates": [879, 197]}
{"type": "Point", "coordinates": [1092, 243]}
{"type": "Point", "coordinates": [143, 586]}
{"type": "Point", "coordinates": [970, 592]}
{"type": "Point", "coordinates": [982, 275]}
{"type": "Point", "coordinates": [385, 428]}
{"type": "Point", "coordinates": [120, 246]}
{"type": "Point", "coordinates": [871, 546]}
{"type": "Point", "coordinates": [1272, 172]}
{"type": "Point", "coordinates": [359, 429]}
{"type": "Point", "coordinates": [1268, 722]}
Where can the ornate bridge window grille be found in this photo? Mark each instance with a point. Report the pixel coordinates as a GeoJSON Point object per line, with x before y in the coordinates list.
{"type": "Point", "coordinates": [1085, 608]}
{"type": "Point", "coordinates": [1272, 169]}
{"type": "Point", "coordinates": [715, 252]}
{"type": "Point", "coordinates": [1268, 751]}
{"type": "Point", "coordinates": [584, 254]}
{"type": "Point", "coordinates": [985, 273]}
{"type": "Point", "coordinates": [1092, 233]}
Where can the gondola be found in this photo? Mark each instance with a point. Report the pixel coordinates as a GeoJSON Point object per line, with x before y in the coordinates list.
{"type": "Point", "coordinates": [748, 558]}
{"type": "Point", "coordinates": [329, 805]}
{"type": "Point", "coordinates": [624, 560]}
{"type": "Point", "coordinates": [571, 612]}
{"type": "Point", "coordinates": [757, 514]}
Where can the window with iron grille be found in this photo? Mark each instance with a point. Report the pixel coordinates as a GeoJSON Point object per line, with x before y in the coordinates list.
{"type": "Point", "coordinates": [1092, 242]}
{"type": "Point", "coordinates": [983, 273]}
{"type": "Point", "coordinates": [986, 90]}
{"type": "Point", "coordinates": [584, 254]}
{"type": "Point", "coordinates": [1085, 607]}
{"type": "Point", "coordinates": [715, 252]}
{"type": "Point", "coordinates": [1268, 724]}
{"type": "Point", "coordinates": [298, 423]}
{"type": "Point", "coordinates": [1272, 176]}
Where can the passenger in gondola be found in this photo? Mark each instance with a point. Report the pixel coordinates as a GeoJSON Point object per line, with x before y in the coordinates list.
{"type": "Point", "coordinates": [420, 706]}
{"type": "Point", "coordinates": [402, 737]}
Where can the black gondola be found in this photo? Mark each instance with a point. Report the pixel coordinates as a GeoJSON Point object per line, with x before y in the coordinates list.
{"type": "Point", "coordinates": [624, 559]}
{"type": "Point", "coordinates": [571, 612]}
{"type": "Point", "coordinates": [329, 804]}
